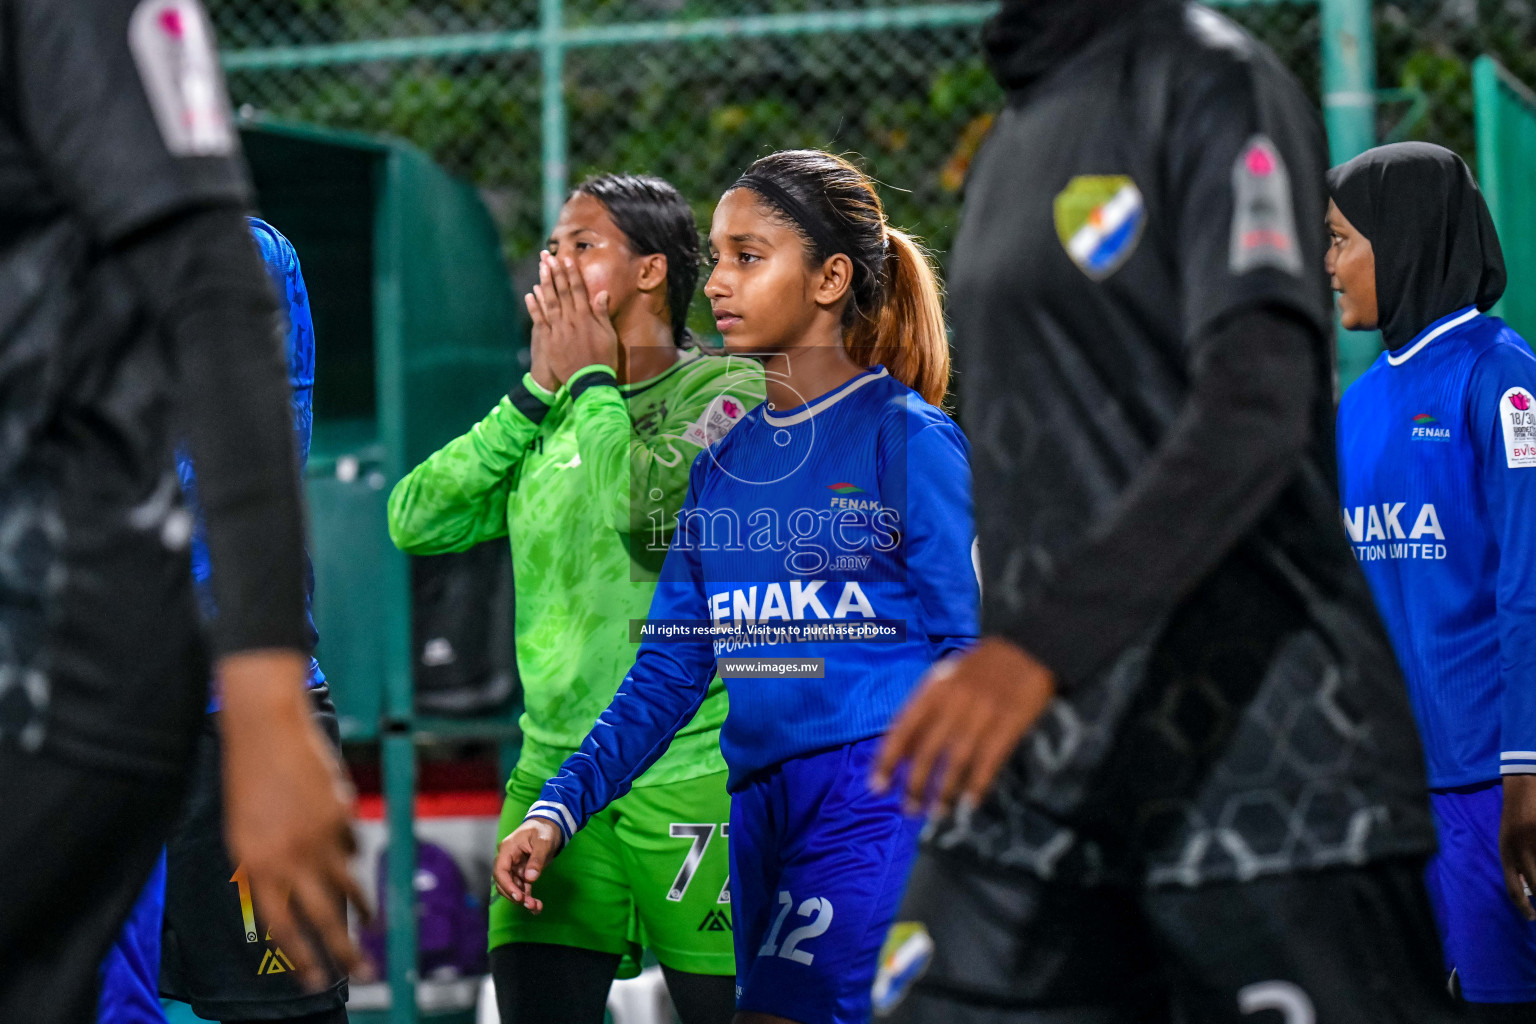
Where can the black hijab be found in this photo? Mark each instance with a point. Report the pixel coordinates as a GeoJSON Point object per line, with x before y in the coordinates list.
{"type": "Point", "coordinates": [1028, 38]}
{"type": "Point", "coordinates": [1436, 249]}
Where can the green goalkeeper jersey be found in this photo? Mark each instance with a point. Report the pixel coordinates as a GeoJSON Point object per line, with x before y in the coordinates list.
{"type": "Point", "coordinates": [587, 482]}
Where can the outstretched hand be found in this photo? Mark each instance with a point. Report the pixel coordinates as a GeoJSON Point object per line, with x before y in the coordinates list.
{"type": "Point", "coordinates": [576, 328]}
{"type": "Point", "coordinates": [521, 858]}
{"type": "Point", "coordinates": [288, 813]}
{"type": "Point", "coordinates": [966, 718]}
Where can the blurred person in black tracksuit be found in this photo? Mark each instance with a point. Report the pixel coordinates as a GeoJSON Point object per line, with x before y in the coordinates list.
{"type": "Point", "coordinates": [131, 294]}
{"type": "Point", "coordinates": [1217, 810]}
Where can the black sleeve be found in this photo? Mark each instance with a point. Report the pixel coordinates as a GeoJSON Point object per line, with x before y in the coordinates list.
{"type": "Point", "coordinates": [202, 277]}
{"type": "Point", "coordinates": [1236, 443]}
{"type": "Point", "coordinates": [1241, 187]}
{"type": "Point", "coordinates": [124, 103]}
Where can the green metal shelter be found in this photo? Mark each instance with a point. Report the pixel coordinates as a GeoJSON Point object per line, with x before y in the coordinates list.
{"type": "Point", "coordinates": [1506, 169]}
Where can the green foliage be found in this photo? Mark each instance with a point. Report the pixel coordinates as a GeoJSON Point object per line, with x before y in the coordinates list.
{"type": "Point", "coordinates": [1428, 46]}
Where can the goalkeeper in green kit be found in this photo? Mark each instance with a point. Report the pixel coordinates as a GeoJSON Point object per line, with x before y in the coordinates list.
{"type": "Point", "coordinates": [584, 465]}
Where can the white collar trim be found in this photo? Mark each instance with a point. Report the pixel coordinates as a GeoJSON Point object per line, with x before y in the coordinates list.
{"type": "Point", "coordinates": [822, 403]}
{"type": "Point", "coordinates": [1431, 336]}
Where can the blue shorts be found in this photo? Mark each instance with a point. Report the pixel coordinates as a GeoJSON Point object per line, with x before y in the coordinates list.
{"type": "Point", "coordinates": [130, 974]}
{"type": "Point", "coordinates": [818, 866]}
{"type": "Point", "coordinates": [1489, 945]}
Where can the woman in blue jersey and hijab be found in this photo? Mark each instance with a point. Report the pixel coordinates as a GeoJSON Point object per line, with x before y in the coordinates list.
{"type": "Point", "coordinates": [1437, 473]}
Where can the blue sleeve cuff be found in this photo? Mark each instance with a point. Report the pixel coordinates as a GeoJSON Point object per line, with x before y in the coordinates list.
{"type": "Point", "coordinates": [557, 813]}
{"type": "Point", "coordinates": [1517, 762]}
{"type": "Point", "coordinates": [950, 646]}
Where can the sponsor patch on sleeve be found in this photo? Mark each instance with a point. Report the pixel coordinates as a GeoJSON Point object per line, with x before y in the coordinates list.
{"type": "Point", "coordinates": [716, 421]}
{"type": "Point", "coordinates": [172, 46]}
{"type": "Point", "coordinates": [1263, 214]}
{"type": "Point", "coordinates": [1517, 414]}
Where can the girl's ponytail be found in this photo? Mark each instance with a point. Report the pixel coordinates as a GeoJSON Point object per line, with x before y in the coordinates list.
{"type": "Point", "coordinates": [895, 313]}
{"type": "Point", "coordinates": [907, 333]}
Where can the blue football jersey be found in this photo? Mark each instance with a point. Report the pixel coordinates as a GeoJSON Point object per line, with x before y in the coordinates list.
{"type": "Point", "coordinates": [840, 530]}
{"type": "Point", "coordinates": [1437, 474]}
{"type": "Point", "coordinates": [288, 282]}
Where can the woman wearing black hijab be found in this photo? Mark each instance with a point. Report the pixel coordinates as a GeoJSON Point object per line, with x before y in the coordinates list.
{"type": "Point", "coordinates": [1437, 472]}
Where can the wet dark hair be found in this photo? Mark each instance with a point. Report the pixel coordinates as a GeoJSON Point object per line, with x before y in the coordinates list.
{"type": "Point", "coordinates": [895, 313]}
{"type": "Point", "coordinates": [655, 218]}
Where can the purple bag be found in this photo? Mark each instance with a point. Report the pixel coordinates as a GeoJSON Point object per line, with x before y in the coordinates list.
{"type": "Point", "coordinates": [451, 922]}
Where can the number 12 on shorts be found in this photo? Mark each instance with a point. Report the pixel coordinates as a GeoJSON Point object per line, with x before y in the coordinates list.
{"type": "Point", "coordinates": [818, 908]}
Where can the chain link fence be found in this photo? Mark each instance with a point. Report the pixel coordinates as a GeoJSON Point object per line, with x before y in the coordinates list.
{"type": "Point", "coordinates": [464, 83]}
{"type": "Point", "coordinates": [914, 103]}
{"type": "Point", "coordinates": [1424, 55]}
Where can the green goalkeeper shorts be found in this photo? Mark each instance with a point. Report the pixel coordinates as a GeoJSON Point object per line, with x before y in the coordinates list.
{"type": "Point", "coordinates": [650, 871]}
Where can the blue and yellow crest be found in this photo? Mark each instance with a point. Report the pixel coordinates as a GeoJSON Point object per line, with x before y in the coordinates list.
{"type": "Point", "coordinates": [907, 952]}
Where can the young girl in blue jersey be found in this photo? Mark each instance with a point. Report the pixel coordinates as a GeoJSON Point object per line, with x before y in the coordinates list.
{"type": "Point", "coordinates": [1437, 473]}
{"type": "Point", "coordinates": [824, 551]}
